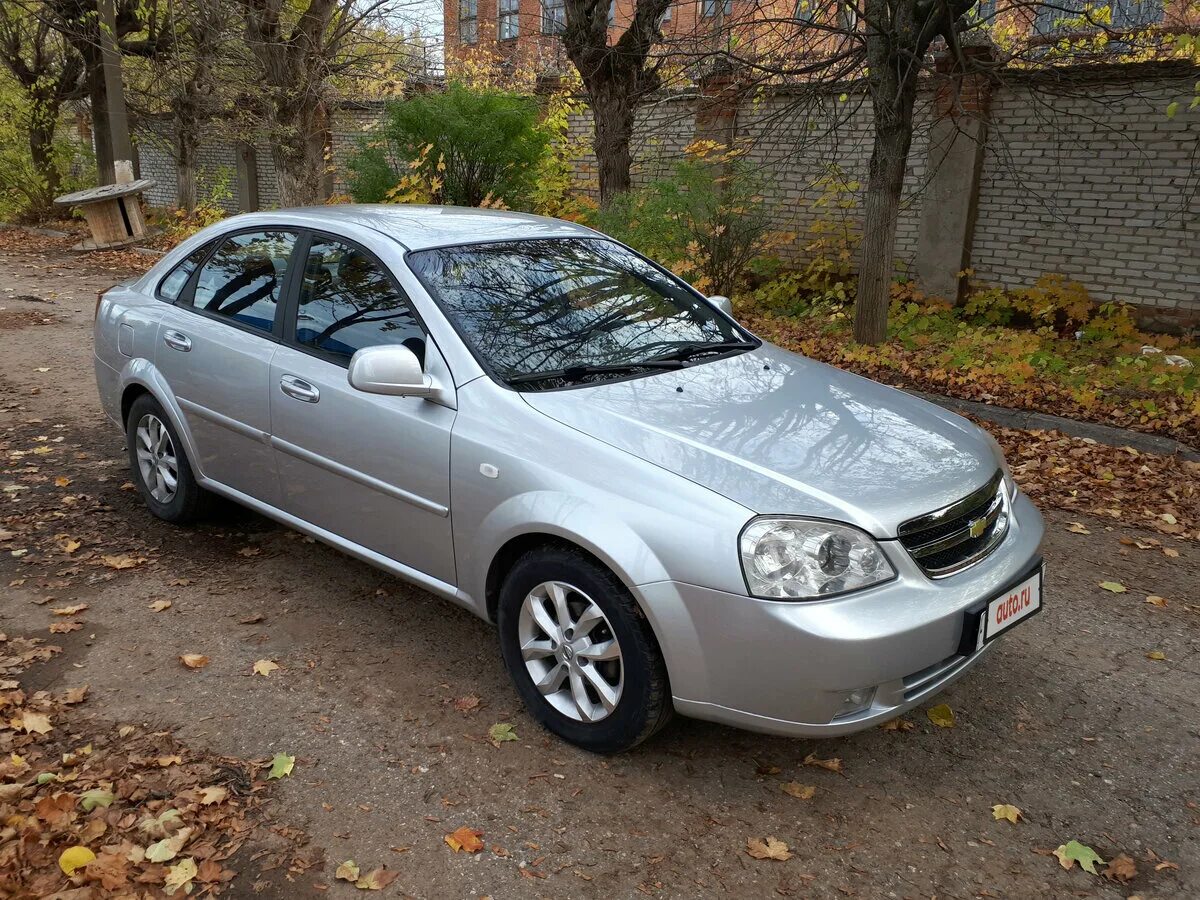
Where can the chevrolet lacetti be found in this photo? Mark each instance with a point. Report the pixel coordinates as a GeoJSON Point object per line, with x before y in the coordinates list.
{"type": "Point", "coordinates": [659, 511]}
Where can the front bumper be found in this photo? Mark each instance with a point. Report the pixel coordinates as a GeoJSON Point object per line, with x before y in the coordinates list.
{"type": "Point", "coordinates": [786, 667]}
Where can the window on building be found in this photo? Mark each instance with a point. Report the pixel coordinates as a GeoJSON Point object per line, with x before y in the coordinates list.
{"type": "Point", "coordinates": [1063, 15]}
{"type": "Point", "coordinates": [612, 13]}
{"type": "Point", "coordinates": [806, 11]}
{"type": "Point", "coordinates": [1136, 13]}
{"type": "Point", "coordinates": [554, 16]}
{"type": "Point", "coordinates": [666, 16]}
{"type": "Point", "coordinates": [468, 21]}
{"type": "Point", "coordinates": [506, 23]}
{"type": "Point", "coordinates": [709, 10]}
{"type": "Point", "coordinates": [985, 11]}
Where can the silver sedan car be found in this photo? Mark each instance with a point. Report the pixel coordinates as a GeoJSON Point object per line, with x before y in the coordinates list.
{"type": "Point", "coordinates": [659, 511]}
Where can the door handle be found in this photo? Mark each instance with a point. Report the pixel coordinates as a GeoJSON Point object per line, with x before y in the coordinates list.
{"type": "Point", "coordinates": [177, 341]}
{"type": "Point", "coordinates": [299, 389]}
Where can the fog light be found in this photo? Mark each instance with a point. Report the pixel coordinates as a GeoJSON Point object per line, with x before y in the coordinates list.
{"type": "Point", "coordinates": [856, 701]}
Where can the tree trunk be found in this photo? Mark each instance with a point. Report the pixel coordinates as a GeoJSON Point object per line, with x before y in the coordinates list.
{"type": "Point", "coordinates": [881, 205]}
{"type": "Point", "coordinates": [101, 134]}
{"type": "Point", "coordinates": [43, 119]}
{"type": "Point", "coordinates": [612, 117]}
{"type": "Point", "coordinates": [186, 170]}
{"type": "Point", "coordinates": [300, 159]}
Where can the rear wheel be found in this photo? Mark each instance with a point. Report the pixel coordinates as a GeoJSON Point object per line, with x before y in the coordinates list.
{"type": "Point", "coordinates": [580, 651]}
{"type": "Point", "coordinates": [159, 464]}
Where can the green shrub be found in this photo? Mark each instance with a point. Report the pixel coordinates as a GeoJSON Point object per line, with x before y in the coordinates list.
{"type": "Point", "coordinates": [469, 146]}
{"type": "Point", "coordinates": [27, 193]}
{"type": "Point", "coordinates": [707, 221]}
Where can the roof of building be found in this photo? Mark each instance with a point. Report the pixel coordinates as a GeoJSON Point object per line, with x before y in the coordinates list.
{"type": "Point", "coordinates": [422, 227]}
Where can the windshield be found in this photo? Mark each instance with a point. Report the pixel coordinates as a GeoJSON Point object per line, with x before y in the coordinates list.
{"type": "Point", "coordinates": [548, 312]}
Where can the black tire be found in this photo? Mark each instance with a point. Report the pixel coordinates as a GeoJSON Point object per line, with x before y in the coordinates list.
{"type": "Point", "coordinates": [644, 705]}
{"type": "Point", "coordinates": [190, 501]}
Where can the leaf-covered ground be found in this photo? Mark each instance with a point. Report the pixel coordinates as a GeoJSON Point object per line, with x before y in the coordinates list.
{"type": "Point", "coordinates": [90, 806]}
{"type": "Point", "coordinates": [1062, 766]}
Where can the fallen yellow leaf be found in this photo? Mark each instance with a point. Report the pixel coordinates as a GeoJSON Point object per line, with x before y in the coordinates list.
{"type": "Point", "coordinates": [194, 660]}
{"type": "Point", "coordinates": [74, 857]}
{"type": "Point", "coordinates": [69, 610]}
{"type": "Point", "coordinates": [1114, 586]}
{"type": "Point", "coordinates": [941, 715]}
{"type": "Point", "coordinates": [121, 562]}
{"type": "Point", "coordinates": [1008, 812]}
{"type": "Point", "coordinates": [798, 790]}
{"type": "Point", "coordinates": [265, 667]}
{"type": "Point", "coordinates": [347, 871]}
{"type": "Point", "coordinates": [771, 848]}
{"type": "Point", "coordinates": [160, 605]}
{"type": "Point", "coordinates": [376, 879]}
{"type": "Point", "coordinates": [1155, 600]}
{"type": "Point", "coordinates": [1156, 655]}
{"type": "Point", "coordinates": [833, 765]}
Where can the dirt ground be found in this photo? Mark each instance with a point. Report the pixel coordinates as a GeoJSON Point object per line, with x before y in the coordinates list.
{"type": "Point", "coordinates": [1071, 720]}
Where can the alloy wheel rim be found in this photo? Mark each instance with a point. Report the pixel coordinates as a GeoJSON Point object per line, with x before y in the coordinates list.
{"type": "Point", "coordinates": [157, 462]}
{"type": "Point", "coordinates": [570, 651]}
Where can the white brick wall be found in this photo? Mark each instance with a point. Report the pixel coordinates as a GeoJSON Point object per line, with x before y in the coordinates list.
{"type": "Point", "coordinates": [1098, 185]}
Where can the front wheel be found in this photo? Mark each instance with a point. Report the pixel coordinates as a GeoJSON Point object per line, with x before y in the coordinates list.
{"type": "Point", "coordinates": [580, 651]}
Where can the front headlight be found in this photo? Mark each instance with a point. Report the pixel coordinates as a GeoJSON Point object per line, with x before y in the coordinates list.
{"type": "Point", "coordinates": [795, 559]}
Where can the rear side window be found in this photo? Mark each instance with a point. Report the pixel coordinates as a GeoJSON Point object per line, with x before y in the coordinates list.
{"type": "Point", "coordinates": [172, 286]}
{"type": "Point", "coordinates": [348, 301]}
{"type": "Point", "coordinates": [243, 280]}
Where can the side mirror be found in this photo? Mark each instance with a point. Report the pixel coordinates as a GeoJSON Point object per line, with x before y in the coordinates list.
{"type": "Point", "coordinates": [724, 304]}
{"type": "Point", "coordinates": [391, 369]}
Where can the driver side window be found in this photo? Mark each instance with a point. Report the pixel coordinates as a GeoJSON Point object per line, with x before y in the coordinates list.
{"type": "Point", "coordinates": [348, 302]}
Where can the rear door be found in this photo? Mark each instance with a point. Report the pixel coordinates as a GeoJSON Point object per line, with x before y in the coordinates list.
{"type": "Point", "coordinates": [215, 347]}
{"type": "Point", "coordinates": [370, 468]}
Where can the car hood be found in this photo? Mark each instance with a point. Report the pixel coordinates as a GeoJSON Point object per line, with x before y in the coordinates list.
{"type": "Point", "coordinates": [780, 433]}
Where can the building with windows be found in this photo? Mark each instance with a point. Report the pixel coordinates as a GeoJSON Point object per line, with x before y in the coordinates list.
{"type": "Point", "coordinates": [525, 32]}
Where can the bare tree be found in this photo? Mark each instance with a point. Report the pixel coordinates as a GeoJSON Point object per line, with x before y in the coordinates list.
{"type": "Point", "coordinates": [617, 78]}
{"type": "Point", "coordinates": [300, 49]}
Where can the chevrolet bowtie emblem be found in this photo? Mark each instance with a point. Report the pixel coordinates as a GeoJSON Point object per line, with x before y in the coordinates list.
{"type": "Point", "coordinates": [976, 527]}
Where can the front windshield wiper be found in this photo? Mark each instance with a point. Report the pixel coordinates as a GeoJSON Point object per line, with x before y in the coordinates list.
{"type": "Point", "coordinates": [579, 372]}
{"type": "Point", "coordinates": [691, 351]}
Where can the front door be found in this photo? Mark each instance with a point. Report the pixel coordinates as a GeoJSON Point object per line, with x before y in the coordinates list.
{"type": "Point", "coordinates": [372, 469]}
{"type": "Point", "coordinates": [215, 347]}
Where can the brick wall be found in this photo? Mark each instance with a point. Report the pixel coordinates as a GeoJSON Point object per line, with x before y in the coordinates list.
{"type": "Point", "coordinates": [1094, 182]}
{"type": "Point", "coordinates": [216, 176]}
{"type": "Point", "coordinates": [1097, 184]}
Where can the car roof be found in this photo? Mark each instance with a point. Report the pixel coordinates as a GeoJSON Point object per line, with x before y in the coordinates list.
{"type": "Point", "coordinates": [422, 227]}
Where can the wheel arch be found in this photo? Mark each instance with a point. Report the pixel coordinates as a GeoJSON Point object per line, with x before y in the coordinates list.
{"type": "Point", "coordinates": [141, 377]}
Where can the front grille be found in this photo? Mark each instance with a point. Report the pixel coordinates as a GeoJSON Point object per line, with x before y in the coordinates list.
{"type": "Point", "coordinates": [956, 536]}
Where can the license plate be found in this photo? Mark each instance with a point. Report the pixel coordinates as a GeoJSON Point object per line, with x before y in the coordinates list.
{"type": "Point", "coordinates": [1019, 602]}
{"type": "Point", "coordinates": [988, 621]}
